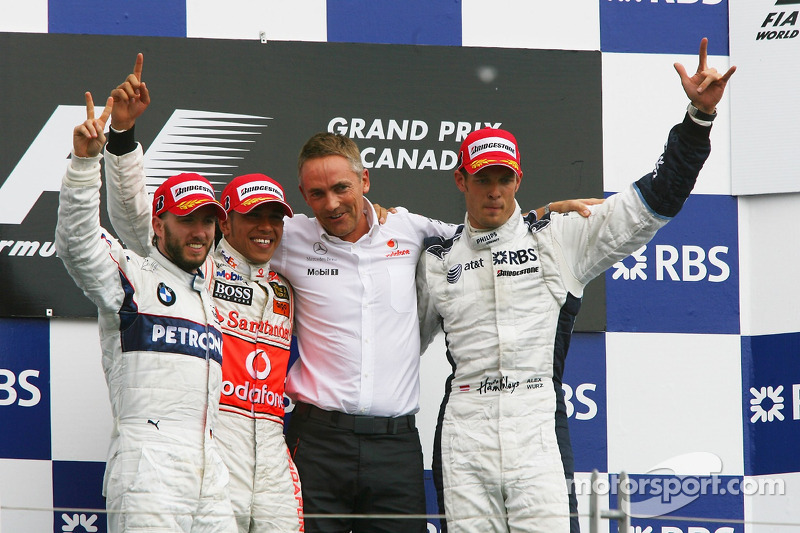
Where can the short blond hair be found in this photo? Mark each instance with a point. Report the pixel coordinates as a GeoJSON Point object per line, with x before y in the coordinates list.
{"type": "Point", "coordinates": [325, 144]}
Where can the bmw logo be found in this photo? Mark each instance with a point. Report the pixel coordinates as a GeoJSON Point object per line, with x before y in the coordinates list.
{"type": "Point", "coordinates": [166, 295]}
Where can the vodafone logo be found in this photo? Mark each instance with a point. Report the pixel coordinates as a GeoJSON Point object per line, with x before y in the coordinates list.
{"type": "Point", "coordinates": [258, 358]}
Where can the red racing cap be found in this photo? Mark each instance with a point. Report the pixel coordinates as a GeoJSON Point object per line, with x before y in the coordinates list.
{"type": "Point", "coordinates": [185, 193]}
{"type": "Point", "coordinates": [246, 192]}
{"type": "Point", "coordinates": [489, 146]}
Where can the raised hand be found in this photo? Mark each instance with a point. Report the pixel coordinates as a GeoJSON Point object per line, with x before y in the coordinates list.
{"type": "Point", "coordinates": [88, 138]}
{"type": "Point", "coordinates": [706, 87]}
{"type": "Point", "coordinates": [131, 98]}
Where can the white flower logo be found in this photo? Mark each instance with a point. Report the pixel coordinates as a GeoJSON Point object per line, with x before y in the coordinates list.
{"type": "Point", "coordinates": [759, 395]}
{"type": "Point", "coordinates": [636, 271]}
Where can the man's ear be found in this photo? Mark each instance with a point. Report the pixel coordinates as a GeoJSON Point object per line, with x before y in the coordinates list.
{"type": "Point", "coordinates": [225, 225]}
{"type": "Point", "coordinates": [461, 180]}
{"type": "Point", "coordinates": [158, 227]}
{"type": "Point", "coordinates": [365, 180]}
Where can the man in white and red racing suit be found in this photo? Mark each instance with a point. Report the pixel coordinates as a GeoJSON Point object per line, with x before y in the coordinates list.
{"type": "Point", "coordinates": [506, 290]}
{"type": "Point", "coordinates": [256, 307]}
{"type": "Point", "coordinates": [161, 345]}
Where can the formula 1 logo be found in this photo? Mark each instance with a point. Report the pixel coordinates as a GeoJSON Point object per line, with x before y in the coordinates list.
{"type": "Point", "coordinates": [184, 138]}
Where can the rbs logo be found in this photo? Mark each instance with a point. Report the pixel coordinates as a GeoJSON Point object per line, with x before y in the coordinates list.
{"type": "Point", "coordinates": [29, 395]}
{"type": "Point", "coordinates": [689, 263]}
{"type": "Point", "coordinates": [588, 407]}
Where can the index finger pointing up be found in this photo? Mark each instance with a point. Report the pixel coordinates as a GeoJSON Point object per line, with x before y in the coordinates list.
{"type": "Point", "coordinates": [137, 68]}
{"type": "Point", "coordinates": [89, 106]}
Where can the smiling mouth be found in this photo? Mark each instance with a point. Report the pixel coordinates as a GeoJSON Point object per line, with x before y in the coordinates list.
{"type": "Point", "coordinates": [262, 242]}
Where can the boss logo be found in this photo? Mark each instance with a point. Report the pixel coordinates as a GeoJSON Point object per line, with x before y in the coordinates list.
{"type": "Point", "coordinates": [233, 293]}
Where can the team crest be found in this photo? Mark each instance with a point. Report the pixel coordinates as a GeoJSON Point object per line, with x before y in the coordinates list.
{"type": "Point", "coordinates": [280, 290]}
{"type": "Point", "coordinates": [166, 295]}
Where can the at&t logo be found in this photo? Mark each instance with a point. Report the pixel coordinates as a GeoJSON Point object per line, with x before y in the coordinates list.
{"type": "Point", "coordinates": [689, 263]}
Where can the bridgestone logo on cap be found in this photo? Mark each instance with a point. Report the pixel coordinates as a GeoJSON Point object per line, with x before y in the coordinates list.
{"type": "Point", "coordinates": [492, 144]}
{"type": "Point", "coordinates": [191, 187]}
{"type": "Point", "coordinates": [259, 188]}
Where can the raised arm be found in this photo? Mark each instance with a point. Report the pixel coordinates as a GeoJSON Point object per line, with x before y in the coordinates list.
{"type": "Point", "coordinates": [629, 219]}
{"type": "Point", "coordinates": [128, 203]}
{"type": "Point", "coordinates": [90, 255]}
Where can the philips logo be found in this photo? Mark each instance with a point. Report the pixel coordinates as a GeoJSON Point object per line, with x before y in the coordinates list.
{"type": "Point", "coordinates": [491, 237]}
{"type": "Point", "coordinates": [233, 293]}
{"type": "Point", "coordinates": [29, 394]}
{"type": "Point", "coordinates": [690, 263]}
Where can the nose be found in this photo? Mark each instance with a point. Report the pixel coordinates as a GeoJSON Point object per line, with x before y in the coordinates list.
{"type": "Point", "coordinates": [202, 229]}
{"type": "Point", "coordinates": [331, 202]}
{"type": "Point", "coordinates": [265, 224]}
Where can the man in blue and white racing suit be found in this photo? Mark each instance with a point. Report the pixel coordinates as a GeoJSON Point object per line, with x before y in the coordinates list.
{"type": "Point", "coordinates": [161, 342]}
{"type": "Point", "coordinates": [506, 290]}
{"type": "Point", "coordinates": [256, 305]}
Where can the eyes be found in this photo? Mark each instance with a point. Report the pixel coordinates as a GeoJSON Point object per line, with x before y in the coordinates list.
{"type": "Point", "coordinates": [503, 181]}
{"type": "Point", "coordinates": [274, 217]}
{"type": "Point", "coordinates": [191, 219]}
{"type": "Point", "coordinates": [339, 188]}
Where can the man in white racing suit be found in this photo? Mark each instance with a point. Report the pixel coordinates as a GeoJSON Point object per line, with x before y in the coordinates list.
{"type": "Point", "coordinates": [506, 290]}
{"type": "Point", "coordinates": [161, 344]}
{"type": "Point", "coordinates": [256, 307]}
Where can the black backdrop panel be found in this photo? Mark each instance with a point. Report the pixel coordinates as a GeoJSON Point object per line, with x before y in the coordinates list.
{"type": "Point", "coordinates": [404, 105]}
